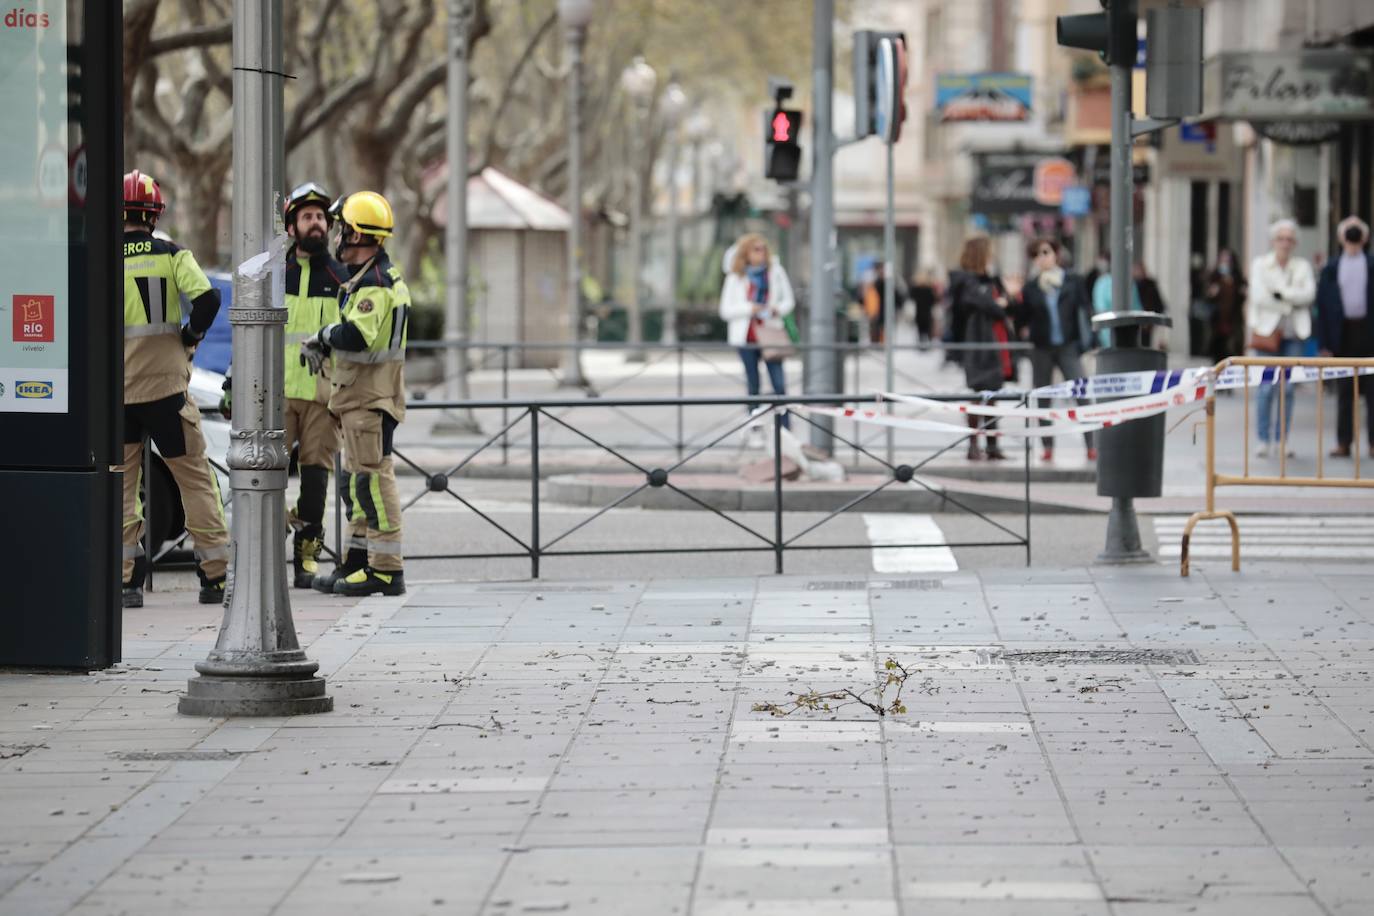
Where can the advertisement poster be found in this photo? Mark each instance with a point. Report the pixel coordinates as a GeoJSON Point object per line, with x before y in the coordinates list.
{"type": "Point", "coordinates": [35, 177]}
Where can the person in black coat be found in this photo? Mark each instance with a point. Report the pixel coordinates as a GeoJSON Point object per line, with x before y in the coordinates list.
{"type": "Point", "coordinates": [978, 306]}
{"type": "Point", "coordinates": [1055, 315]}
{"type": "Point", "coordinates": [1345, 325]}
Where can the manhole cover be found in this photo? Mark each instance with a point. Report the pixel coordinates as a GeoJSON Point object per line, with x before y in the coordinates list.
{"type": "Point", "coordinates": [1104, 657]}
{"type": "Point", "coordinates": [177, 755]}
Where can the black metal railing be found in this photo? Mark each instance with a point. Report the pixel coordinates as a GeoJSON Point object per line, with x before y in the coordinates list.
{"type": "Point", "coordinates": [537, 415]}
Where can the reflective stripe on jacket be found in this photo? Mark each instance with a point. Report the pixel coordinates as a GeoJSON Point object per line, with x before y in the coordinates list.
{"type": "Point", "coordinates": [157, 274]}
{"type": "Point", "coordinates": [313, 288]}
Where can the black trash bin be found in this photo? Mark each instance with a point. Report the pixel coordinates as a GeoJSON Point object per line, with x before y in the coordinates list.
{"type": "Point", "coordinates": [1130, 457]}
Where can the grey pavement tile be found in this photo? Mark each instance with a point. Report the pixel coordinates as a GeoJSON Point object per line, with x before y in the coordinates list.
{"type": "Point", "coordinates": [1289, 905]}
{"type": "Point", "coordinates": [1336, 876]}
{"type": "Point", "coordinates": [797, 906]}
{"type": "Point", "coordinates": [1188, 873]}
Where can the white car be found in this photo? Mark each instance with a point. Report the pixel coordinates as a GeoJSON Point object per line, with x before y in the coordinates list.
{"type": "Point", "coordinates": [162, 501]}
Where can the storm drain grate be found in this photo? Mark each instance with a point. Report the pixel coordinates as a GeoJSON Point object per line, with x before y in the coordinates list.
{"type": "Point", "coordinates": [177, 755]}
{"type": "Point", "coordinates": [546, 588]}
{"type": "Point", "coordinates": [1104, 657]}
{"type": "Point", "coordinates": [915, 585]}
{"type": "Point", "coordinates": [858, 585]}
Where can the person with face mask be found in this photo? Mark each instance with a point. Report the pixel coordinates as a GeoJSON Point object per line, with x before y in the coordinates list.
{"type": "Point", "coordinates": [1278, 312]}
{"type": "Point", "coordinates": [1345, 326]}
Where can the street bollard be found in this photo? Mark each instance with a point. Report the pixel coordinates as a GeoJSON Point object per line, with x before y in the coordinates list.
{"type": "Point", "coordinates": [1130, 457]}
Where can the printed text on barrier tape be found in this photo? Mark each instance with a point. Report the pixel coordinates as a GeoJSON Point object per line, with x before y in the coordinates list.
{"type": "Point", "coordinates": [1127, 384]}
{"type": "Point", "coordinates": [935, 426]}
{"type": "Point", "coordinates": [1110, 412]}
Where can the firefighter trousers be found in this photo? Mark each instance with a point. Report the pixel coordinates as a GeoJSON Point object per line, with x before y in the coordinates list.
{"type": "Point", "coordinates": [371, 500]}
{"type": "Point", "coordinates": [173, 424]}
{"type": "Point", "coordinates": [311, 426]}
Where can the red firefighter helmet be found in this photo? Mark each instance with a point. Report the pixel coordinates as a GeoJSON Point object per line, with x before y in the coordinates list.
{"type": "Point", "coordinates": [142, 197]}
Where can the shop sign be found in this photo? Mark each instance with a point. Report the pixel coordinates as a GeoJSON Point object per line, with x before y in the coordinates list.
{"type": "Point", "coordinates": [1021, 182]}
{"type": "Point", "coordinates": [982, 97]}
{"type": "Point", "coordinates": [1304, 84]}
{"type": "Point", "coordinates": [1203, 151]}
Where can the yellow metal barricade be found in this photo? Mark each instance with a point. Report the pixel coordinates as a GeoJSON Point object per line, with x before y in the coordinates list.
{"type": "Point", "coordinates": [1215, 480]}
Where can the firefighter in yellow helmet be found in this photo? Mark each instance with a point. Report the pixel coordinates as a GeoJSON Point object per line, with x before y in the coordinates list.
{"type": "Point", "coordinates": [367, 395]}
{"type": "Point", "coordinates": [157, 368]}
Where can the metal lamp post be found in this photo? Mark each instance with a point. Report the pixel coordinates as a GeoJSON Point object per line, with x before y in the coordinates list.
{"type": "Point", "coordinates": [257, 667]}
{"type": "Point", "coordinates": [637, 81]}
{"type": "Point", "coordinates": [674, 106]}
{"type": "Point", "coordinates": [698, 129]}
{"type": "Point", "coordinates": [460, 15]}
{"type": "Point", "coordinates": [576, 16]}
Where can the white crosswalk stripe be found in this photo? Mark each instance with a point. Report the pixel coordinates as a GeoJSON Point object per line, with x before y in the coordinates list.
{"type": "Point", "coordinates": [1273, 537]}
{"type": "Point", "coordinates": [907, 528]}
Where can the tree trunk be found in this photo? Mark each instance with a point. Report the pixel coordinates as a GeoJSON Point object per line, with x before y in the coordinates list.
{"type": "Point", "coordinates": [198, 205]}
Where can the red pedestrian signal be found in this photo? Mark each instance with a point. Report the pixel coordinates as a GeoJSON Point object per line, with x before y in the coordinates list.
{"type": "Point", "coordinates": [781, 152]}
{"type": "Point", "coordinates": [782, 128]}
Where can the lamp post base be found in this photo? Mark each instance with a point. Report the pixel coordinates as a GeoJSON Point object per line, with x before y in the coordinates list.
{"type": "Point", "coordinates": [1123, 537]}
{"type": "Point", "coordinates": [274, 684]}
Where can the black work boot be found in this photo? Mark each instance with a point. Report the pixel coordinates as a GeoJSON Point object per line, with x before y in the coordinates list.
{"type": "Point", "coordinates": [305, 559]}
{"type": "Point", "coordinates": [133, 589]}
{"type": "Point", "coordinates": [211, 590]}
{"type": "Point", "coordinates": [369, 581]}
{"type": "Point", "coordinates": [354, 561]}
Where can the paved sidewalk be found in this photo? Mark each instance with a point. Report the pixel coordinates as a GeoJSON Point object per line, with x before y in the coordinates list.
{"type": "Point", "coordinates": [513, 748]}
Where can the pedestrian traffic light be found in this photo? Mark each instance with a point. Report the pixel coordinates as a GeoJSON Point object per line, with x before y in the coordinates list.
{"type": "Point", "coordinates": [781, 152]}
{"type": "Point", "coordinates": [1110, 34]}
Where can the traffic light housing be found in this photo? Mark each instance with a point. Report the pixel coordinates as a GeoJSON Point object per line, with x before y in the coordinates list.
{"type": "Point", "coordinates": [781, 151]}
{"type": "Point", "coordinates": [866, 88]}
{"type": "Point", "coordinates": [1112, 34]}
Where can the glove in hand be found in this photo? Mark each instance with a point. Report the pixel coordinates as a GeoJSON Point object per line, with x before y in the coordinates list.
{"type": "Point", "coordinates": [313, 355]}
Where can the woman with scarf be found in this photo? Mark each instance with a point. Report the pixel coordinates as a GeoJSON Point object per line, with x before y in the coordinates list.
{"type": "Point", "coordinates": [1055, 315]}
{"type": "Point", "coordinates": [755, 303]}
{"type": "Point", "coordinates": [978, 305]}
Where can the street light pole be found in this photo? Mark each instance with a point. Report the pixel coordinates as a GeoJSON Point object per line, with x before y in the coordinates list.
{"type": "Point", "coordinates": [819, 366]}
{"type": "Point", "coordinates": [460, 13]}
{"type": "Point", "coordinates": [674, 103]}
{"type": "Point", "coordinates": [257, 667]}
{"type": "Point", "coordinates": [576, 16]}
{"type": "Point", "coordinates": [638, 81]}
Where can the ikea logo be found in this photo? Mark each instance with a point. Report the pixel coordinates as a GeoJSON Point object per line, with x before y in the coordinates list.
{"type": "Point", "coordinates": [33, 390]}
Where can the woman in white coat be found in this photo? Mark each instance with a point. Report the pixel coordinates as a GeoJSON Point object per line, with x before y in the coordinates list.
{"type": "Point", "coordinates": [756, 295]}
{"type": "Point", "coordinates": [1279, 314]}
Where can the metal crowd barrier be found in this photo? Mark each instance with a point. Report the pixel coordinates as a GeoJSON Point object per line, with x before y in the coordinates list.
{"type": "Point", "coordinates": [1214, 479]}
{"type": "Point", "coordinates": [537, 415]}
